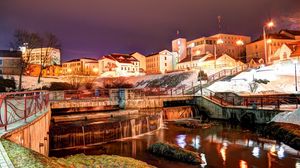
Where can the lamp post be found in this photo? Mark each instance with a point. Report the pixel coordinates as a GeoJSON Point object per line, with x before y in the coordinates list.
{"type": "Point", "coordinates": [218, 42]}
{"type": "Point", "coordinates": [268, 25]}
{"type": "Point", "coordinates": [296, 80]}
{"type": "Point", "coordinates": [239, 43]}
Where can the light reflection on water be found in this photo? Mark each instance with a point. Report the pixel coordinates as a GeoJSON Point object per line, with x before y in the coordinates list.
{"type": "Point", "coordinates": [180, 139]}
{"type": "Point", "coordinates": [219, 146]}
{"type": "Point", "coordinates": [243, 164]}
{"type": "Point", "coordinates": [196, 142]}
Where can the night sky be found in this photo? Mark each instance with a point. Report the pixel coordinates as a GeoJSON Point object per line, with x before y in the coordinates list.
{"type": "Point", "coordinates": [92, 28]}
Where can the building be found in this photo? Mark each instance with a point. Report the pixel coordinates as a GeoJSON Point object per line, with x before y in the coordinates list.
{"type": "Point", "coordinates": [83, 66]}
{"type": "Point", "coordinates": [10, 62]}
{"type": "Point", "coordinates": [35, 69]}
{"type": "Point", "coordinates": [37, 56]}
{"type": "Point", "coordinates": [287, 51]}
{"type": "Point", "coordinates": [161, 62]}
{"type": "Point", "coordinates": [115, 65]}
{"type": "Point", "coordinates": [142, 60]}
{"type": "Point", "coordinates": [218, 44]}
{"type": "Point", "coordinates": [208, 63]}
{"type": "Point", "coordinates": [274, 41]}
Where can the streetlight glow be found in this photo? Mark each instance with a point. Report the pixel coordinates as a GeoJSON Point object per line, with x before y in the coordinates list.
{"type": "Point", "coordinates": [220, 41]}
{"type": "Point", "coordinates": [270, 24]}
{"type": "Point", "coordinates": [239, 42]}
{"type": "Point", "coordinates": [269, 41]}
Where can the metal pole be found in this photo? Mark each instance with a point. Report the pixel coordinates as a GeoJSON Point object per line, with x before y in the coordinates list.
{"type": "Point", "coordinates": [215, 54]}
{"type": "Point", "coordinates": [296, 85]}
{"type": "Point", "coordinates": [265, 45]}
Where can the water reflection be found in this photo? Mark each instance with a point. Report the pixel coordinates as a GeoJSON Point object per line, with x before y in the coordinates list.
{"type": "Point", "coordinates": [255, 152]}
{"type": "Point", "coordinates": [243, 164]}
{"type": "Point", "coordinates": [297, 164]}
{"type": "Point", "coordinates": [180, 139]}
{"type": "Point", "coordinates": [218, 146]}
{"type": "Point", "coordinates": [196, 142]}
{"type": "Point", "coordinates": [280, 153]}
{"type": "Point", "coordinates": [223, 152]}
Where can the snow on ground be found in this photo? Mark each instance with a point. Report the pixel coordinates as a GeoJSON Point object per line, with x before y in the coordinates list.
{"type": "Point", "coordinates": [288, 117]}
{"type": "Point", "coordinates": [186, 78]}
{"type": "Point", "coordinates": [30, 82]}
{"type": "Point", "coordinates": [280, 75]}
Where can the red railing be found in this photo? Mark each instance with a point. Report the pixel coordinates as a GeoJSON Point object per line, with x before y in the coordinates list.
{"type": "Point", "coordinates": [113, 94]}
{"type": "Point", "coordinates": [226, 72]}
{"type": "Point", "coordinates": [20, 106]}
{"type": "Point", "coordinates": [275, 101]}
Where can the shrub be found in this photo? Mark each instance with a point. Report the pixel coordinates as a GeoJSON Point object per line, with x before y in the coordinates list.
{"type": "Point", "coordinates": [117, 83]}
{"type": "Point", "coordinates": [171, 151]}
{"type": "Point", "coordinates": [60, 86]}
{"type": "Point", "coordinates": [7, 84]}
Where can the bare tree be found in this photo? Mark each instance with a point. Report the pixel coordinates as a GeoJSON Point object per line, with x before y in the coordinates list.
{"type": "Point", "coordinates": [29, 40]}
{"type": "Point", "coordinates": [48, 43]}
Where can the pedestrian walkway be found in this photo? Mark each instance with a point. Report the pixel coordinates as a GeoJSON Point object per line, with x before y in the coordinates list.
{"type": "Point", "coordinates": [5, 162]}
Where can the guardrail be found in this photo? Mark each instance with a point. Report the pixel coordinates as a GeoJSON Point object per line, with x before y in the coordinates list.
{"type": "Point", "coordinates": [113, 94]}
{"type": "Point", "coordinates": [275, 101]}
{"type": "Point", "coordinates": [20, 106]}
{"type": "Point", "coordinates": [226, 72]}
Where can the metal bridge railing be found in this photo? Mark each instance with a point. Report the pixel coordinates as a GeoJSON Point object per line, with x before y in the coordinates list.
{"type": "Point", "coordinates": [19, 106]}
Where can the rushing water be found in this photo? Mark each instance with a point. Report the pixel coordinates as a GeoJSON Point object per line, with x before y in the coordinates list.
{"type": "Point", "coordinates": [223, 146]}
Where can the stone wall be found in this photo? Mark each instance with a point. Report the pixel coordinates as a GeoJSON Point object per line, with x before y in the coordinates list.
{"type": "Point", "coordinates": [173, 113]}
{"type": "Point", "coordinates": [217, 111]}
{"type": "Point", "coordinates": [33, 135]}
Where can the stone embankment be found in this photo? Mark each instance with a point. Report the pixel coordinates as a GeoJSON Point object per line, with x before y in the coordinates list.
{"type": "Point", "coordinates": [285, 132]}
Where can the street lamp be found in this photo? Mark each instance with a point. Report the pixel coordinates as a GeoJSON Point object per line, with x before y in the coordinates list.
{"type": "Point", "coordinates": [268, 25]}
{"type": "Point", "coordinates": [218, 42]}
{"type": "Point", "coordinates": [239, 43]}
{"type": "Point", "coordinates": [296, 83]}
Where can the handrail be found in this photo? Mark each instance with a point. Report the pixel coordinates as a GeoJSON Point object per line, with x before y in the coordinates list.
{"type": "Point", "coordinates": [18, 106]}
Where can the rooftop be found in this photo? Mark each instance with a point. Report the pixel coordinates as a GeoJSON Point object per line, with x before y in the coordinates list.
{"type": "Point", "coordinates": [292, 32]}
{"type": "Point", "coordinates": [121, 58]}
{"type": "Point", "coordinates": [9, 53]}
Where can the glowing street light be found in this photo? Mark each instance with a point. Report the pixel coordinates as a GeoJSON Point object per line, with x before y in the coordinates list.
{"type": "Point", "coordinates": [95, 70]}
{"type": "Point", "coordinates": [296, 83]}
{"type": "Point", "coordinates": [69, 70]}
{"type": "Point", "coordinates": [239, 43]}
{"type": "Point", "coordinates": [269, 41]}
{"type": "Point", "coordinates": [268, 25]}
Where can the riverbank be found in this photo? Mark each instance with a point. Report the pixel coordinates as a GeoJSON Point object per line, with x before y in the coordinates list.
{"type": "Point", "coordinates": [22, 157]}
{"type": "Point", "coordinates": [285, 132]}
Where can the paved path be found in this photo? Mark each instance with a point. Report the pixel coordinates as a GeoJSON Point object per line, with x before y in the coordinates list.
{"type": "Point", "coordinates": [5, 162]}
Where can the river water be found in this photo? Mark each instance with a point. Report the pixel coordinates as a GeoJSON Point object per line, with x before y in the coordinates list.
{"type": "Point", "coordinates": [223, 145]}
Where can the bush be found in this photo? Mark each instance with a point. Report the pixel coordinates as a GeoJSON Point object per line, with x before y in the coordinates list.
{"type": "Point", "coordinates": [60, 86]}
{"type": "Point", "coordinates": [117, 83]}
{"type": "Point", "coordinates": [192, 124]}
{"type": "Point", "coordinates": [7, 84]}
{"type": "Point", "coordinates": [171, 151]}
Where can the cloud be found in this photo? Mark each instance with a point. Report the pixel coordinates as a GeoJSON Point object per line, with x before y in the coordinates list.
{"type": "Point", "coordinates": [291, 21]}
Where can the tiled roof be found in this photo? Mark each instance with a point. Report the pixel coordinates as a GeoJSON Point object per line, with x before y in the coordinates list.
{"type": "Point", "coordinates": [121, 58]}
{"type": "Point", "coordinates": [8, 53]}
{"type": "Point", "coordinates": [76, 60]}
{"type": "Point", "coordinates": [292, 32]}
{"type": "Point", "coordinates": [275, 36]}
{"type": "Point", "coordinates": [188, 58]}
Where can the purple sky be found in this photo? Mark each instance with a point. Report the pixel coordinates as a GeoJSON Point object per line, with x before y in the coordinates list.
{"type": "Point", "coordinates": [92, 28]}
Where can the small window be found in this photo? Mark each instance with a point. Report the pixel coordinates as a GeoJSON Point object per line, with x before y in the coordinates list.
{"type": "Point", "coordinates": [1, 72]}
{"type": "Point", "coordinates": [1, 62]}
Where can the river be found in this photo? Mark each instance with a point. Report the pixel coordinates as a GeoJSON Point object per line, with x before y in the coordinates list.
{"type": "Point", "coordinates": [224, 145]}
